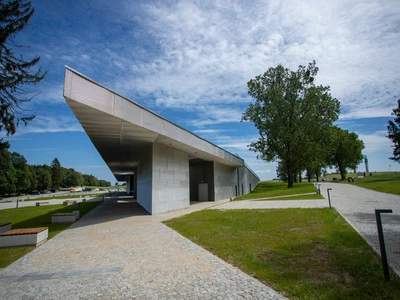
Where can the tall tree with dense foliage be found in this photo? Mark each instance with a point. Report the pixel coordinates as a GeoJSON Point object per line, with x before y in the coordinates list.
{"type": "Point", "coordinates": [8, 178]}
{"type": "Point", "coordinates": [15, 72]}
{"type": "Point", "coordinates": [394, 132]}
{"type": "Point", "coordinates": [43, 176]}
{"type": "Point", "coordinates": [90, 180]}
{"type": "Point", "coordinates": [56, 173]}
{"type": "Point", "coordinates": [23, 173]}
{"type": "Point", "coordinates": [281, 171]}
{"type": "Point", "coordinates": [290, 113]}
{"type": "Point", "coordinates": [72, 178]}
{"type": "Point", "coordinates": [345, 151]}
{"type": "Point", "coordinates": [104, 183]}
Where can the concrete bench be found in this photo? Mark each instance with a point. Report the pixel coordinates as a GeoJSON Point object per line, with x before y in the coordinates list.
{"type": "Point", "coordinates": [5, 227]}
{"type": "Point", "coordinates": [41, 203]}
{"type": "Point", "coordinates": [64, 217]}
{"type": "Point", "coordinates": [24, 237]}
{"type": "Point", "coordinates": [69, 202]}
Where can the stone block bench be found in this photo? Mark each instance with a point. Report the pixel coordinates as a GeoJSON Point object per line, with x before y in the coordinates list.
{"type": "Point", "coordinates": [24, 237]}
{"type": "Point", "coordinates": [41, 203]}
{"type": "Point", "coordinates": [5, 227]}
{"type": "Point", "coordinates": [64, 217]}
{"type": "Point", "coordinates": [69, 202]}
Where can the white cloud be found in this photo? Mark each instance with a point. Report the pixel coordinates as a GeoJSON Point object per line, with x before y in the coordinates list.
{"type": "Point", "coordinates": [376, 142]}
{"type": "Point", "coordinates": [263, 171]}
{"type": "Point", "coordinates": [42, 124]}
{"type": "Point", "coordinates": [50, 94]}
{"type": "Point", "coordinates": [208, 51]}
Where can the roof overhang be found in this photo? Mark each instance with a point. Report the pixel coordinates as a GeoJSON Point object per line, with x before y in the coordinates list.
{"type": "Point", "coordinates": [121, 129]}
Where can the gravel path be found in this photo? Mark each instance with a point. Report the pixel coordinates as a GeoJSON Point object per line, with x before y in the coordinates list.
{"type": "Point", "coordinates": [357, 205]}
{"type": "Point", "coordinates": [118, 251]}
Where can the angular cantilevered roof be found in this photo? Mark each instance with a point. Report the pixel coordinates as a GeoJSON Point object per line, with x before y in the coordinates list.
{"type": "Point", "coordinates": [121, 129]}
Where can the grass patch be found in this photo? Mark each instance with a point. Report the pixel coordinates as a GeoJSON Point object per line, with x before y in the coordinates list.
{"type": "Point", "coordinates": [381, 182]}
{"type": "Point", "coordinates": [274, 188]}
{"type": "Point", "coordinates": [36, 216]}
{"type": "Point", "coordinates": [302, 253]}
{"type": "Point", "coordinates": [296, 197]}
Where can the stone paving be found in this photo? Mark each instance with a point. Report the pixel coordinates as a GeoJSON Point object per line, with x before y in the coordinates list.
{"type": "Point", "coordinates": [357, 205]}
{"type": "Point", "coordinates": [118, 251]}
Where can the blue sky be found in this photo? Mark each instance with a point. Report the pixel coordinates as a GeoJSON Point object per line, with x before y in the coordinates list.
{"type": "Point", "coordinates": [190, 62]}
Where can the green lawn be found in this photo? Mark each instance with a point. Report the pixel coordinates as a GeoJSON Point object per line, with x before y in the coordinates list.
{"type": "Point", "coordinates": [302, 253]}
{"type": "Point", "coordinates": [382, 182]}
{"type": "Point", "coordinates": [36, 216]}
{"type": "Point", "coordinates": [277, 188]}
{"type": "Point", "coordinates": [313, 196]}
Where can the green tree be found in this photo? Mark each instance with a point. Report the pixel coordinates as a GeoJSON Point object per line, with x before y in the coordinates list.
{"type": "Point", "coordinates": [72, 178]}
{"type": "Point", "coordinates": [90, 180]}
{"type": "Point", "coordinates": [345, 151]}
{"type": "Point", "coordinates": [104, 183]}
{"type": "Point", "coordinates": [15, 71]}
{"type": "Point", "coordinates": [43, 176]}
{"type": "Point", "coordinates": [394, 132]}
{"type": "Point", "coordinates": [56, 173]}
{"type": "Point", "coordinates": [281, 171]}
{"type": "Point", "coordinates": [34, 181]}
{"type": "Point", "coordinates": [23, 173]}
{"type": "Point", "coordinates": [290, 113]}
{"type": "Point", "coordinates": [8, 178]}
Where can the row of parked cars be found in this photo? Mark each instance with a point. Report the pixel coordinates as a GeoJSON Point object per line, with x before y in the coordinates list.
{"type": "Point", "coordinates": [43, 192]}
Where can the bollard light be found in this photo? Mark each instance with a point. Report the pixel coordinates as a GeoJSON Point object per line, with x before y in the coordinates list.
{"type": "Point", "coordinates": [329, 197]}
{"type": "Point", "coordinates": [385, 266]}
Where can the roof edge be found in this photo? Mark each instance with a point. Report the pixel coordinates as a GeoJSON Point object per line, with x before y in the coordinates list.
{"type": "Point", "coordinates": [155, 114]}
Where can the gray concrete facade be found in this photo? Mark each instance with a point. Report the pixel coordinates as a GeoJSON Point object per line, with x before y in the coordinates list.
{"type": "Point", "coordinates": [170, 179]}
{"type": "Point", "coordinates": [164, 165]}
{"type": "Point", "coordinates": [247, 180]}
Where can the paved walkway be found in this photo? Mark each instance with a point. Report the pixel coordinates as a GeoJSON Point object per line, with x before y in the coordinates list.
{"type": "Point", "coordinates": [118, 251]}
{"type": "Point", "coordinates": [357, 205]}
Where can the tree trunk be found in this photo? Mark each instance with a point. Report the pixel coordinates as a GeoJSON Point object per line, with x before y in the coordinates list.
{"type": "Point", "coordinates": [289, 169]}
{"type": "Point", "coordinates": [309, 175]}
{"type": "Point", "coordinates": [317, 178]}
{"type": "Point", "coordinates": [342, 172]}
{"type": "Point", "coordinates": [300, 176]}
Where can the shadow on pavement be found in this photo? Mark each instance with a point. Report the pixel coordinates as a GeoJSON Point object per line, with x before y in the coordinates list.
{"type": "Point", "coordinates": [116, 207]}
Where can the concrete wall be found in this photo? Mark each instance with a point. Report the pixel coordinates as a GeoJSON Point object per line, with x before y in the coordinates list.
{"type": "Point", "coordinates": [247, 180]}
{"type": "Point", "coordinates": [201, 171]}
{"type": "Point", "coordinates": [225, 179]}
{"type": "Point", "coordinates": [170, 187]}
{"type": "Point", "coordinates": [144, 179]}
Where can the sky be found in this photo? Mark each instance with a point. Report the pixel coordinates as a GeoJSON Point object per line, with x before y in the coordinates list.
{"type": "Point", "coordinates": [190, 61]}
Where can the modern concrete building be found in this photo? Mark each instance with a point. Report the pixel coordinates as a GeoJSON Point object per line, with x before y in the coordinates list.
{"type": "Point", "coordinates": [165, 165]}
